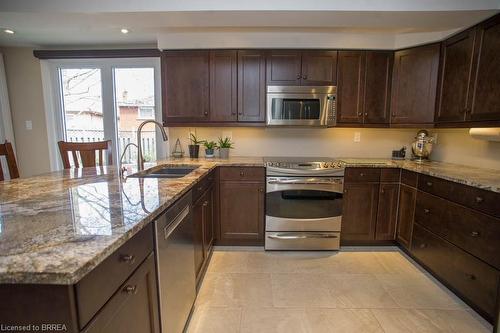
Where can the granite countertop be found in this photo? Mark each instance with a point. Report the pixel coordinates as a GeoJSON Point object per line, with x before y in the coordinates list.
{"type": "Point", "coordinates": [57, 227]}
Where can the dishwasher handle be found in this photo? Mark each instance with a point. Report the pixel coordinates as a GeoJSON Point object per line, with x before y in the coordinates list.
{"type": "Point", "coordinates": [167, 231]}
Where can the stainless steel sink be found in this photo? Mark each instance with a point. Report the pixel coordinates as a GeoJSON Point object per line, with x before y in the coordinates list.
{"type": "Point", "coordinates": [166, 171]}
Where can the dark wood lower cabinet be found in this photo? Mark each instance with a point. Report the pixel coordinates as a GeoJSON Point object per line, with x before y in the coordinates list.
{"type": "Point", "coordinates": [134, 307]}
{"type": "Point", "coordinates": [388, 197]}
{"type": "Point", "coordinates": [198, 234]}
{"type": "Point", "coordinates": [406, 210]}
{"type": "Point", "coordinates": [241, 213]}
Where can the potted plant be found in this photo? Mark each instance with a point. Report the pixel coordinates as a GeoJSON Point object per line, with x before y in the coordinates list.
{"type": "Point", "coordinates": [194, 146]}
{"type": "Point", "coordinates": [224, 146]}
{"type": "Point", "coordinates": [209, 148]}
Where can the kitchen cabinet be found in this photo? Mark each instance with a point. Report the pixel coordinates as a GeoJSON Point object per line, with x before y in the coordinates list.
{"type": "Point", "coordinates": [185, 86]}
{"type": "Point", "coordinates": [223, 83]}
{"type": "Point", "coordinates": [198, 210]}
{"type": "Point", "coordinates": [406, 210]}
{"type": "Point", "coordinates": [241, 206]}
{"type": "Point", "coordinates": [486, 99]}
{"type": "Point", "coordinates": [456, 77]}
{"type": "Point", "coordinates": [414, 83]}
{"type": "Point", "coordinates": [363, 87]}
{"type": "Point", "coordinates": [251, 86]}
{"type": "Point", "coordinates": [387, 211]}
{"type": "Point", "coordinates": [134, 307]}
{"type": "Point", "coordinates": [314, 68]}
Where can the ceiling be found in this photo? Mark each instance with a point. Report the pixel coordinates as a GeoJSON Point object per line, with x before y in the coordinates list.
{"type": "Point", "coordinates": [221, 23]}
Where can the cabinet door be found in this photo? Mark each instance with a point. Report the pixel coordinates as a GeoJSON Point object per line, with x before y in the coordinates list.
{"type": "Point", "coordinates": [387, 212]}
{"type": "Point", "coordinates": [351, 76]}
{"type": "Point", "coordinates": [414, 85]}
{"type": "Point", "coordinates": [377, 91]}
{"type": "Point", "coordinates": [359, 213]}
{"type": "Point", "coordinates": [486, 100]}
{"type": "Point", "coordinates": [208, 221]}
{"type": "Point", "coordinates": [241, 213]}
{"type": "Point", "coordinates": [251, 86]}
{"type": "Point", "coordinates": [455, 77]}
{"type": "Point", "coordinates": [185, 86]}
{"type": "Point", "coordinates": [284, 68]}
{"type": "Point", "coordinates": [223, 85]}
{"type": "Point", "coordinates": [407, 197]}
{"type": "Point", "coordinates": [199, 255]}
{"type": "Point", "coordinates": [134, 307]}
{"type": "Point", "coordinates": [319, 68]}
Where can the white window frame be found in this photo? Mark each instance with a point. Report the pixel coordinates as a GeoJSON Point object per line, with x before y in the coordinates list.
{"type": "Point", "coordinates": [54, 108]}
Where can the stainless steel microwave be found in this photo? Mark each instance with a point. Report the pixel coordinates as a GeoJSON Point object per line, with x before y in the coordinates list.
{"type": "Point", "coordinates": [301, 106]}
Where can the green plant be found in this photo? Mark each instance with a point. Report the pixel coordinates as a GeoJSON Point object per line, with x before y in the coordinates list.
{"type": "Point", "coordinates": [226, 143]}
{"type": "Point", "coordinates": [194, 139]}
{"type": "Point", "coordinates": [210, 144]}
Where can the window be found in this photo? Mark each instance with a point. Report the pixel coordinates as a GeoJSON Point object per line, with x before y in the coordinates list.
{"type": "Point", "coordinates": [104, 99]}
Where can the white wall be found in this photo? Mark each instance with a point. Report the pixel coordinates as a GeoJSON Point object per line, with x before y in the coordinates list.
{"type": "Point", "coordinates": [454, 146]}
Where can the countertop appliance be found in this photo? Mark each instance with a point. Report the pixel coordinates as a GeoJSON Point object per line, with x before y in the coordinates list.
{"type": "Point", "coordinates": [303, 203]}
{"type": "Point", "coordinates": [175, 265]}
{"type": "Point", "coordinates": [422, 147]}
{"type": "Point", "coordinates": [301, 106]}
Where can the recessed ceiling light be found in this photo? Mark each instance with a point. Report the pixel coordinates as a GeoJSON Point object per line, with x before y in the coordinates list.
{"type": "Point", "coordinates": [9, 31]}
{"type": "Point", "coordinates": [124, 31]}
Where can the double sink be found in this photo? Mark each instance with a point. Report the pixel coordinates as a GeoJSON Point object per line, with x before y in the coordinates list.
{"type": "Point", "coordinates": [166, 171]}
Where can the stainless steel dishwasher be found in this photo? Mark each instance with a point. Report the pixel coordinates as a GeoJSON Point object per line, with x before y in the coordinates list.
{"type": "Point", "coordinates": [175, 265]}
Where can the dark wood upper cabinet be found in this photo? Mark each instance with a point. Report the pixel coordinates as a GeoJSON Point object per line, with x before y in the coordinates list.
{"type": "Point", "coordinates": [387, 212]}
{"type": "Point", "coordinates": [406, 211]}
{"type": "Point", "coordinates": [223, 85]}
{"type": "Point", "coordinates": [377, 90]}
{"type": "Point", "coordinates": [351, 77]}
{"type": "Point", "coordinates": [414, 84]}
{"type": "Point", "coordinates": [359, 213]}
{"type": "Point", "coordinates": [455, 77]}
{"type": "Point", "coordinates": [319, 68]}
{"type": "Point", "coordinates": [284, 68]}
{"type": "Point", "coordinates": [251, 86]}
{"type": "Point", "coordinates": [185, 86]}
{"type": "Point", "coordinates": [486, 100]}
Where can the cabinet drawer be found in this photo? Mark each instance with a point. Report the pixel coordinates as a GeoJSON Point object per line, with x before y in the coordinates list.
{"type": "Point", "coordinates": [134, 307]}
{"type": "Point", "coordinates": [482, 200]}
{"type": "Point", "coordinates": [97, 287]}
{"type": "Point", "coordinates": [202, 185]}
{"type": "Point", "coordinates": [242, 173]}
{"type": "Point", "coordinates": [389, 175]}
{"type": "Point", "coordinates": [474, 232]}
{"type": "Point", "coordinates": [362, 175]}
{"type": "Point", "coordinates": [409, 178]}
{"type": "Point", "coordinates": [470, 277]}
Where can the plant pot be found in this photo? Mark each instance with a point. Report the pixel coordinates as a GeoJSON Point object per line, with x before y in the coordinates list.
{"type": "Point", "coordinates": [194, 151]}
{"type": "Point", "coordinates": [209, 153]}
{"type": "Point", "coordinates": [224, 152]}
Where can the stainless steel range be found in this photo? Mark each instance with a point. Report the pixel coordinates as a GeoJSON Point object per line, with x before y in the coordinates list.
{"type": "Point", "coordinates": [303, 203]}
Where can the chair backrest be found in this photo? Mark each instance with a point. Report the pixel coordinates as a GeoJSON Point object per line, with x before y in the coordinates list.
{"type": "Point", "coordinates": [84, 153]}
{"type": "Point", "coordinates": [7, 151]}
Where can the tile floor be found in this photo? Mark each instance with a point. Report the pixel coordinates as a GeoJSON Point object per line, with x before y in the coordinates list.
{"type": "Point", "coordinates": [355, 290]}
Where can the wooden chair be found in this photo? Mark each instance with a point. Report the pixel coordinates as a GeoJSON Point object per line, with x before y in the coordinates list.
{"type": "Point", "coordinates": [87, 153]}
{"type": "Point", "coordinates": [7, 151]}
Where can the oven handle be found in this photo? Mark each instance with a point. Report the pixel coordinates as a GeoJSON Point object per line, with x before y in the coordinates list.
{"type": "Point", "coordinates": [312, 182]}
{"type": "Point", "coordinates": [301, 236]}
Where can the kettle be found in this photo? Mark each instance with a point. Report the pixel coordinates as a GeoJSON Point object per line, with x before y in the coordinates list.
{"type": "Point", "coordinates": [422, 147]}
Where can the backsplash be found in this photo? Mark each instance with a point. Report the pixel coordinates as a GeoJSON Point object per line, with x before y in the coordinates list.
{"type": "Point", "coordinates": [454, 146]}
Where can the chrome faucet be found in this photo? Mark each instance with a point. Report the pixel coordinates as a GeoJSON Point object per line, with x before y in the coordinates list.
{"type": "Point", "coordinates": [140, 158]}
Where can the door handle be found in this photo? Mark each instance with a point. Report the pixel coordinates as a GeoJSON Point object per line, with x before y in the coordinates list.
{"type": "Point", "coordinates": [301, 236]}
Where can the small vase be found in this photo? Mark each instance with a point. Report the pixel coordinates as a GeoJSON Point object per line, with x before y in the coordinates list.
{"type": "Point", "coordinates": [224, 153]}
{"type": "Point", "coordinates": [194, 151]}
{"type": "Point", "coordinates": [209, 153]}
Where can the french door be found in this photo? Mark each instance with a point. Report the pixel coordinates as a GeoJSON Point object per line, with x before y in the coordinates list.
{"type": "Point", "coordinates": [107, 99]}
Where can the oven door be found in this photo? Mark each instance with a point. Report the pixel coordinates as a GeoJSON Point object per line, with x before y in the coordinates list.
{"type": "Point", "coordinates": [304, 203]}
{"type": "Point", "coordinates": [296, 110]}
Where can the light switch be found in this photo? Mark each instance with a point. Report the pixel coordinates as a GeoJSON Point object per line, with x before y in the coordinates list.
{"type": "Point", "coordinates": [29, 125]}
{"type": "Point", "coordinates": [357, 136]}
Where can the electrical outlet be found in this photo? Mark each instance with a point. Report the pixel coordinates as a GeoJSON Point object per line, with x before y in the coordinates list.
{"type": "Point", "coordinates": [227, 134]}
{"type": "Point", "coordinates": [29, 125]}
{"type": "Point", "coordinates": [357, 136]}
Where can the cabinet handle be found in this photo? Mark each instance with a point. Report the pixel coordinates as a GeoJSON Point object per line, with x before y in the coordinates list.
{"type": "Point", "coordinates": [205, 204]}
{"type": "Point", "coordinates": [130, 289]}
{"type": "Point", "coordinates": [361, 174]}
{"type": "Point", "coordinates": [205, 113]}
{"type": "Point", "coordinates": [474, 234]}
{"type": "Point", "coordinates": [426, 211]}
{"type": "Point", "coordinates": [423, 246]}
{"type": "Point", "coordinates": [298, 76]}
{"type": "Point", "coordinates": [128, 258]}
{"type": "Point", "coordinates": [429, 183]}
{"type": "Point", "coordinates": [305, 77]}
{"type": "Point", "coordinates": [242, 173]}
{"type": "Point", "coordinates": [345, 191]}
{"type": "Point", "coordinates": [479, 199]}
{"type": "Point", "coordinates": [240, 113]}
{"type": "Point", "coordinates": [260, 190]}
{"type": "Point", "coordinates": [470, 276]}
{"type": "Point", "coordinates": [366, 113]}
{"type": "Point", "coordinates": [382, 191]}
{"type": "Point", "coordinates": [359, 113]}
